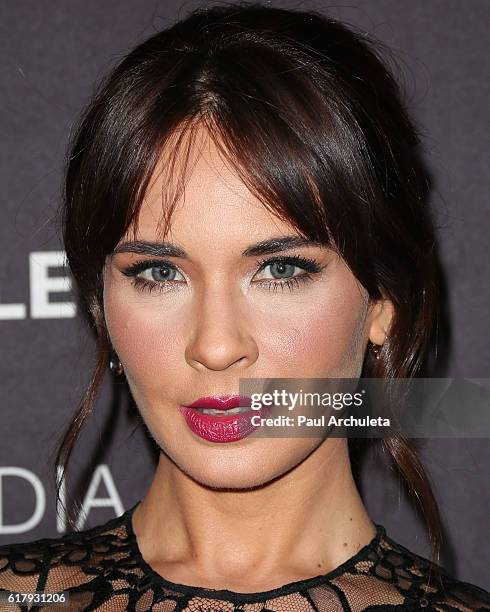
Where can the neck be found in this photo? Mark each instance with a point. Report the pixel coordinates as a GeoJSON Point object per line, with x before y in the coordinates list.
{"type": "Point", "coordinates": [304, 523]}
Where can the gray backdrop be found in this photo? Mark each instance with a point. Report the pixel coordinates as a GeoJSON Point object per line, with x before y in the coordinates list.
{"type": "Point", "coordinates": [52, 52]}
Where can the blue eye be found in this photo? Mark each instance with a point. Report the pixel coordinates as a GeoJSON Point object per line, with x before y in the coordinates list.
{"type": "Point", "coordinates": [280, 269]}
{"type": "Point", "coordinates": [160, 276]}
{"type": "Point", "coordinates": [149, 275]}
{"type": "Point", "coordinates": [283, 276]}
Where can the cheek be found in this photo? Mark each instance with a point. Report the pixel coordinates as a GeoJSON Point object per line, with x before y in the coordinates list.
{"type": "Point", "coordinates": [324, 338]}
{"type": "Point", "coordinates": [319, 336]}
{"type": "Point", "coordinates": [146, 340]}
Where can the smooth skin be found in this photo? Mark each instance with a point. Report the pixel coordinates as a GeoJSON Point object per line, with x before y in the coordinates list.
{"type": "Point", "coordinates": [254, 514]}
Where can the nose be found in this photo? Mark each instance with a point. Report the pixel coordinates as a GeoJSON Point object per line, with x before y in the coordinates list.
{"type": "Point", "coordinates": [220, 333]}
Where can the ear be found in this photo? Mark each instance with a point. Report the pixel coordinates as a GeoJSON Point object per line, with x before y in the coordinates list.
{"type": "Point", "coordinates": [381, 318]}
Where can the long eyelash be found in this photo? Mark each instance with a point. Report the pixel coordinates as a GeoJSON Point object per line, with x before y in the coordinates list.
{"type": "Point", "coordinates": [144, 284]}
{"type": "Point", "coordinates": [311, 266]}
{"type": "Point", "coordinates": [290, 283]}
{"type": "Point", "coordinates": [144, 264]}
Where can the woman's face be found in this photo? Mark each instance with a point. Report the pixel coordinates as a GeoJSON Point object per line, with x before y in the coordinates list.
{"type": "Point", "coordinates": [218, 315]}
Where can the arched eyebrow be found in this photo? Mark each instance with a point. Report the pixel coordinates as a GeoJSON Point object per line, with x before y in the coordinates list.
{"type": "Point", "coordinates": [264, 247]}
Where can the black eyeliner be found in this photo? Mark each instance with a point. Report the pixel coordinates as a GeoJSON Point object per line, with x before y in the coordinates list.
{"type": "Point", "coordinates": [310, 265]}
{"type": "Point", "coordinates": [142, 265]}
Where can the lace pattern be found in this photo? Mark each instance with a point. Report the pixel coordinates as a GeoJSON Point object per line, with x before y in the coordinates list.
{"type": "Point", "coordinates": [102, 569]}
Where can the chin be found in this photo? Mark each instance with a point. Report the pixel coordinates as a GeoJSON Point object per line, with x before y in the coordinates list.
{"type": "Point", "coordinates": [233, 480]}
{"type": "Point", "coordinates": [246, 468]}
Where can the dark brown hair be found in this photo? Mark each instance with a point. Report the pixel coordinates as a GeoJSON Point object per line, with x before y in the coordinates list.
{"type": "Point", "coordinates": [313, 121]}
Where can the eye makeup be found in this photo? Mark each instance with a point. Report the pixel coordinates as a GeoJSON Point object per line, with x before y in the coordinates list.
{"type": "Point", "coordinates": [309, 266]}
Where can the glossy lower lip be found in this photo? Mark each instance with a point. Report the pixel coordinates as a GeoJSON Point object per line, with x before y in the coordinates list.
{"type": "Point", "coordinates": [221, 428]}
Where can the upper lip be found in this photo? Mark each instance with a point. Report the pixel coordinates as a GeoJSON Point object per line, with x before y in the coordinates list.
{"type": "Point", "coordinates": [221, 402]}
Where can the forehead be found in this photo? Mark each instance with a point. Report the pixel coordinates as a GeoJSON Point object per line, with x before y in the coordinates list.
{"type": "Point", "coordinates": [211, 200]}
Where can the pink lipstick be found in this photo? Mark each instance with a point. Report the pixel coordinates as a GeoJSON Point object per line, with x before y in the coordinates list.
{"type": "Point", "coordinates": [206, 417]}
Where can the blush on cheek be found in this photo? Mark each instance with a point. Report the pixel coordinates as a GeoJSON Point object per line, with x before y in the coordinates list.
{"type": "Point", "coordinates": [145, 339]}
{"type": "Point", "coordinates": [148, 346]}
{"type": "Point", "coordinates": [324, 339]}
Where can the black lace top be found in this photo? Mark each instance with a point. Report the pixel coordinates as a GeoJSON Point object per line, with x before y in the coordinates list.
{"type": "Point", "coordinates": [102, 569]}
